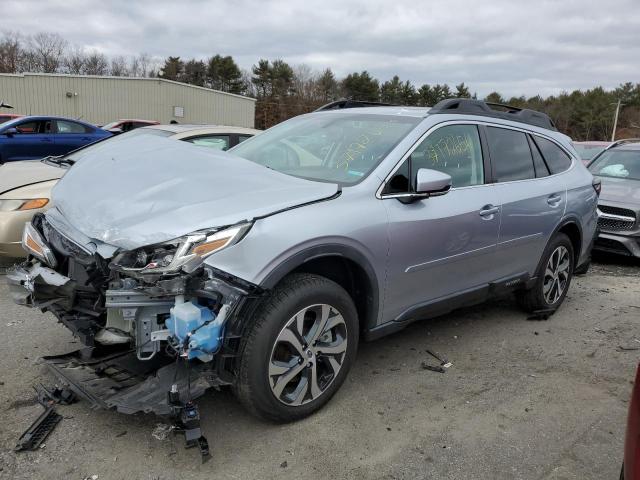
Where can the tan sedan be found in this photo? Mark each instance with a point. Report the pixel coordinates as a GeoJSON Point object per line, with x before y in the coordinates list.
{"type": "Point", "coordinates": [25, 189]}
{"type": "Point", "coordinates": [25, 186]}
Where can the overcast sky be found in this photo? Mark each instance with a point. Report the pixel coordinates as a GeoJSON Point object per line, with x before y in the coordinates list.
{"type": "Point", "coordinates": [512, 46]}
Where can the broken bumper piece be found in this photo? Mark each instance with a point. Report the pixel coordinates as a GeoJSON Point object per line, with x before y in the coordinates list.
{"type": "Point", "coordinates": [121, 382]}
{"type": "Point", "coordinates": [35, 285]}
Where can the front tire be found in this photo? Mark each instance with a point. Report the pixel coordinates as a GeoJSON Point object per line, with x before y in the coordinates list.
{"type": "Point", "coordinates": [553, 277]}
{"type": "Point", "coordinates": [299, 349]}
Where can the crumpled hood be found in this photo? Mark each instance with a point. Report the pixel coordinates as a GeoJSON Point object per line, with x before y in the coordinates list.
{"type": "Point", "coordinates": [620, 190]}
{"type": "Point", "coordinates": [150, 189]}
{"type": "Point", "coordinates": [26, 172]}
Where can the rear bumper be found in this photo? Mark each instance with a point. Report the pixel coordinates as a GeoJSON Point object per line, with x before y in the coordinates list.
{"type": "Point", "coordinates": [628, 245]}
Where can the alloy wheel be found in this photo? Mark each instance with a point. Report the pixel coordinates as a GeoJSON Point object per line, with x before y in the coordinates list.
{"type": "Point", "coordinates": [308, 354]}
{"type": "Point", "coordinates": [556, 275]}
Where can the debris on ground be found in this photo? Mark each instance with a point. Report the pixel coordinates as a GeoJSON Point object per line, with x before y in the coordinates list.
{"type": "Point", "coordinates": [629, 348]}
{"type": "Point", "coordinates": [162, 431]}
{"type": "Point", "coordinates": [38, 430]}
{"type": "Point", "coordinates": [284, 464]}
{"type": "Point", "coordinates": [55, 395]}
{"type": "Point", "coordinates": [442, 368]}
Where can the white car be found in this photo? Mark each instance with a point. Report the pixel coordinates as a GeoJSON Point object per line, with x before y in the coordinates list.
{"type": "Point", "coordinates": [25, 186]}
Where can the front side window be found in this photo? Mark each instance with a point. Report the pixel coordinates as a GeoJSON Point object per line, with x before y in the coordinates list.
{"type": "Point", "coordinates": [70, 127]}
{"type": "Point", "coordinates": [617, 163]}
{"type": "Point", "coordinates": [217, 142]}
{"type": "Point", "coordinates": [454, 150]}
{"type": "Point", "coordinates": [556, 158]}
{"type": "Point", "coordinates": [510, 155]}
{"type": "Point", "coordinates": [338, 147]}
{"type": "Point", "coordinates": [28, 127]}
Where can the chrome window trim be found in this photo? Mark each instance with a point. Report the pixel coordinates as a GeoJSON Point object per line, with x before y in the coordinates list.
{"type": "Point", "coordinates": [437, 126]}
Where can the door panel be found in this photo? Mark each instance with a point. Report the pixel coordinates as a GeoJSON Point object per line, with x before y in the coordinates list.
{"type": "Point", "coordinates": [531, 207]}
{"type": "Point", "coordinates": [440, 246]}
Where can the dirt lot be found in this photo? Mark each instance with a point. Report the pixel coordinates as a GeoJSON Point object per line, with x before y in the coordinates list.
{"type": "Point", "coordinates": [523, 400]}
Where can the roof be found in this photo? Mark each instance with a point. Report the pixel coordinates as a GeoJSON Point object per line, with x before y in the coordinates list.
{"type": "Point", "coordinates": [47, 117]}
{"type": "Point", "coordinates": [153, 122]}
{"type": "Point", "coordinates": [179, 128]}
{"type": "Point", "coordinates": [132, 79]}
{"type": "Point", "coordinates": [593, 143]}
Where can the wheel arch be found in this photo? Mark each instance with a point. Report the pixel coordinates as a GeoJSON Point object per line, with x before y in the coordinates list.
{"type": "Point", "coordinates": [570, 226]}
{"type": "Point", "coordinates": [343, 264]}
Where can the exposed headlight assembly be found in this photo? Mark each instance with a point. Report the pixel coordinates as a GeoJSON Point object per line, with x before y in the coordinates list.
{"type": "Point", "coordinates": [33, 243]}
{"type": "Point", "coordinates": [186, 253]}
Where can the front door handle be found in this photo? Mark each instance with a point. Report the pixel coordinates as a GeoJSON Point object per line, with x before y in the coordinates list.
{"type": "Point", "coordinates": [489, 210]}
{"type": "Point", "coordinates": [554, 200]}
{"type": "Point", "coordinates": [46, 140]}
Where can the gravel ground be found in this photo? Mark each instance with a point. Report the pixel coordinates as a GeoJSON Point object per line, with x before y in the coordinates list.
{"type": "Point", "coordinates": [523, 400]}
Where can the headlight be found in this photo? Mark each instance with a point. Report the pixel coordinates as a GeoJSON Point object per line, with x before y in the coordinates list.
{"type": "Point", "coordinates": [186, 253]}
{"type": "Point", "coordinates": [33, 243]}
{"type": "Point", "coordinates": [28, 204]}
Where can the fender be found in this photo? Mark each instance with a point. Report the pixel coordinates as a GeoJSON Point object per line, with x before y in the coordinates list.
{"type": "Point", "coordinates": [331, 250]}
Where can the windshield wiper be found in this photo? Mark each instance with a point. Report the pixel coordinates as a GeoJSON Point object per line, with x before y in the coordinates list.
{"type": "Point", "coordinates": [58, 160]}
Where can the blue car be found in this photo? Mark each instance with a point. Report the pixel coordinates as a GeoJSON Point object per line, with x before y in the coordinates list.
{"type": "Point", "coordinates": [33, 137]}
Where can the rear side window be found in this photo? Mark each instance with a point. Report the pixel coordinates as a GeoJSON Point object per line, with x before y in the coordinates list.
{"type": "Point", "coordinates": [556, 158]}
{"type": "Point", "coordinates": [510, 155]}
{"type": "Point", "coordinates": [70, 127]}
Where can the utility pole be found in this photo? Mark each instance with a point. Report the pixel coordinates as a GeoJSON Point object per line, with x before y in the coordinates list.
{"type": "Point", "coordinates": [615, 119]}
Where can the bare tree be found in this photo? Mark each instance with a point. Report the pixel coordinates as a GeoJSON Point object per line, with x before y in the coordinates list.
{"type": "Point", "coordinates": [96, 64]}
{"type": "Point", "coordinates": [119, 67]}
{"type": "Point", "coordinates": [134, 67]}
{"type": "Point", "coordinates": [144, 60]}
{"type": "Point", "coordinates": [48, 51]}
{"type": "Point", "coordinates": [10, 52]}
{"type": "Point", "coordinates": [75, 60]}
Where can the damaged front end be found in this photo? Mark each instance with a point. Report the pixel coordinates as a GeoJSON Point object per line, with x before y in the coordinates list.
{"type": "Point", "coordinates": [152, 320]}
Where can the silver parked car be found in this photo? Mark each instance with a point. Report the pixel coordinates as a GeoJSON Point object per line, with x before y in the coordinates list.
{"type": "Point", "coordinates": [262, 268]}
{"type": "Point", "coordinates": [618, 167]}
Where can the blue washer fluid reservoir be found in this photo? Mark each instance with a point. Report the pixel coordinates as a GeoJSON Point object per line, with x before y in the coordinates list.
{"type": "Point", "coordinates": [185, 317]}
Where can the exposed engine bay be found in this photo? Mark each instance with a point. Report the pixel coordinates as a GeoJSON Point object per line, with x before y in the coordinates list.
{"type": "Point", "coordinates": [144, 311]}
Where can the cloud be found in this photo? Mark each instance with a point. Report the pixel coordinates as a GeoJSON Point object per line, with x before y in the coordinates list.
{"type": "Point", "coordinates": [512, 46]}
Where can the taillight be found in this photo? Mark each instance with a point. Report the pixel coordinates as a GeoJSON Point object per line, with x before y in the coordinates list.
{"type": "Point", "coordinates": [597, 185]}
{"type": "Point", "coordinates": [632, 439]}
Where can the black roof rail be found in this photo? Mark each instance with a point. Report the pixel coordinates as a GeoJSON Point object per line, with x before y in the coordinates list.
{"type": "Point", "coordinates": [346, 103]}
{"type": "Point", "coordinates": [469, 106]}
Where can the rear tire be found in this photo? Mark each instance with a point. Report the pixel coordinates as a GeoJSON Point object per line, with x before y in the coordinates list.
{"type": "Point", "coordinates": [299, 349]}
{"type": "Point", "coordinates": [553, 277]}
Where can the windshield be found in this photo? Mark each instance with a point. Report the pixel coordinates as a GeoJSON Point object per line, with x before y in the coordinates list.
{"type": "Point", "coordinates": [618, 164]}
{"type": "Point", "coordinates": [110, 125]}
{"type": "Point", "coordinates": [328, 147]}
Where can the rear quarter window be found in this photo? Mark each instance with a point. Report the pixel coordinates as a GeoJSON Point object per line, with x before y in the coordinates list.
{"type": "Point", "coordinates": [557, 159]}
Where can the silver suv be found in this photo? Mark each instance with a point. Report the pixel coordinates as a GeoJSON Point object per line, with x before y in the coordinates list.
{"type": "Point", "coordinates": [262, 268]}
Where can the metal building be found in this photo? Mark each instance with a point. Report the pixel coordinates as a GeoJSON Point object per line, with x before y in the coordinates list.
{"type": "Point", "coordinates": [100, 100]}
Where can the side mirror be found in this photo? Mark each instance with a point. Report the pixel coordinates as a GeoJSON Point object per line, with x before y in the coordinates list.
{"type": "Point", "coordinates": [10, 132]}
{"type": "Point", "coordinates": [115, 130]}
{"type": "Point", "coordinates": [432, 182]}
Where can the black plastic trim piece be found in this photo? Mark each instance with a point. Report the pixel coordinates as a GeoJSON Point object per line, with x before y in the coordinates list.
{"type": "Point", "coordinates": [329, 250]}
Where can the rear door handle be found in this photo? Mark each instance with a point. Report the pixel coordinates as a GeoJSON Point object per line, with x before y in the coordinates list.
{"type": "Point", "coordinates": [46, 140]}
{"type": "Point", "coordinates": [489, 210]}
{"type": "Point", "coordinates": [554, 200]}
